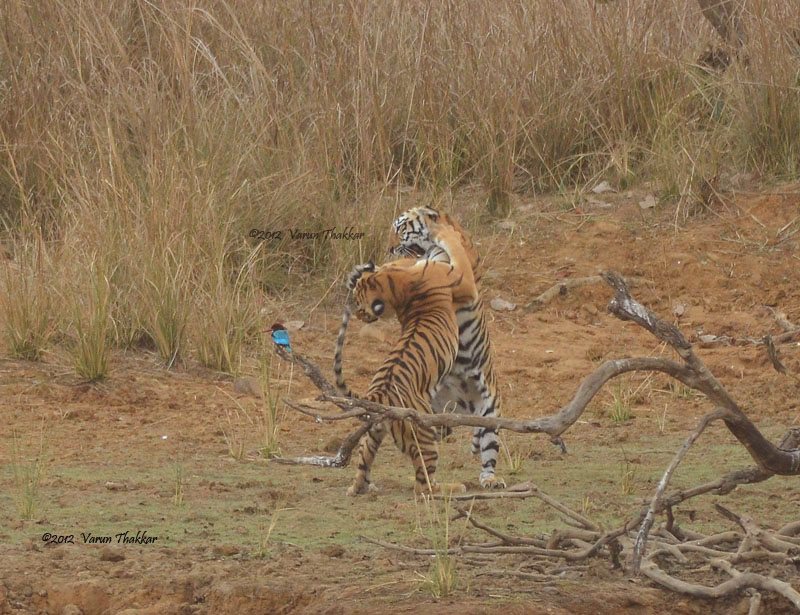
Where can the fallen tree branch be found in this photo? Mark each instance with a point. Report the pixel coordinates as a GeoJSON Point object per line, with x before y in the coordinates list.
{"type": "Point", "coordinates": [757, 535]}
{"type": "Point", "coordinates": [772, 353]}
{"type": "Point", "coordinates": [641, 538]}
{"type": "Point", "coordinates": [781, 320]}
{"type": "Point", "coordinates": [529, 489]}
{"type": "Point", "coordinates": [342, 457]}
{"type": "Point", "coordinates": [564, 286]}
{"type": "Point", "coordinates": [553, 425]}
{"type": "Point", "coordinates": [755, 603]}
{"type": "Point", "coordinates": [736, 584]}
{"type": "Point", "coordinates": [769, 457]}
{"type": "Point", "coordinates": [511, 540]}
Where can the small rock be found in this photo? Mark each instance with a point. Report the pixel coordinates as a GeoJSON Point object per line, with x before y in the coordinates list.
{"type": "Point", "coordinates": [247, 386]}
{"type": "Point", "coordinates": [294, 325]}
{"type": "Point", "coordinates": [111, 554]}
{"type": "Point", "coordinates": [71, 609]}
{"type": "Point", "coordinates": [501, 305]}
{"type": "Point", "coordinates": [679, 309]}
{"type": "Point", "coordinates": [226, 549]}
{"type": "Point", "coordinates": [112, 486]}
{"type": "Point", "coordinates": [602, 187]}
{"type": "Point", "coordinates": [649, 202]}
{"type": "Point", "coordinates": [597, 203]}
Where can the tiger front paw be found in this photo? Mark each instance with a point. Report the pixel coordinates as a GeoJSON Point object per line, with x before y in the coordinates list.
{"type": "Point", "coordinates": [361, 488]}
{"type": "Point", "coordinates": [444, 235]}
{"type": "Point", "coordinates": [357, 272]}
{"type": "Point", "coordinates": [493, 482]}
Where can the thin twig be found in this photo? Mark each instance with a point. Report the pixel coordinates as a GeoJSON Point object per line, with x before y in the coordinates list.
{"type": "Point", "coordinates": [641, 538]}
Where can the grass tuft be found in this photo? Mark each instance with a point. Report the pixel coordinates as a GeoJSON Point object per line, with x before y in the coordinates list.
{"type": "Point", "coordinates": [28, 306]}
{"type": "Point", "coordinates": [442, 578]}
{"type": "Point", "coordinates": [167, 304]}
{"type": "Point", "coordinates": [271, 412]}
{"type": "Point", "coordinates": [619, 409]}
{"type": "Point", "coordinates": [627, 478]}
{"type": "Point", "coordinates": [28, 474]}
{"type": "Point", "coordinates": [180, 485]}
{"type": "Point", "coordinates": [92, 323]}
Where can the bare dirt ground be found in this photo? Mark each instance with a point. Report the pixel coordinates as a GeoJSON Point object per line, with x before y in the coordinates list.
{"type": "Point", "coordinates": [247, 536]}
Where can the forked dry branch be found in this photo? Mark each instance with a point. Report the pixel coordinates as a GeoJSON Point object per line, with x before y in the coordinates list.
{"type": "Point", "coordinates": [583, 538]}
{"type": "Point", "coordinates": [563, 287]}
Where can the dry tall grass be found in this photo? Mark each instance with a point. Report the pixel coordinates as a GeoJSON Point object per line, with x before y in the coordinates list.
{"type": "Point", "coordinates": [150, 137]}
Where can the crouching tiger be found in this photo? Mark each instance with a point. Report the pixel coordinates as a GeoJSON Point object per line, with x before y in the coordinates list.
{"type": "Point", "coordinates": [422, 294]}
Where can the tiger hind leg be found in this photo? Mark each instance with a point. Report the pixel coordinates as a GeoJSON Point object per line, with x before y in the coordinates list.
{"type": "Point", "coordinates": [366, 457]}
{"type": "Point", "coordinates": [419, 444]}
{"type": "Point", "coordinates": [485, 442]}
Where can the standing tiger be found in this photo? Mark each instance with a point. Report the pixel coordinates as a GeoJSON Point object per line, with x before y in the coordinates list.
{"type": "Point", "coordinates": [470, 385]}
{"type": "Point", "coordinates": [423, 295]}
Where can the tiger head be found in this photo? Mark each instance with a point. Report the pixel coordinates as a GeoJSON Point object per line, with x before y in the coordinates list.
{"type": "Point", "coordinates": [412, 237]}
{"type": "Point", "coordinates": [370, 293]}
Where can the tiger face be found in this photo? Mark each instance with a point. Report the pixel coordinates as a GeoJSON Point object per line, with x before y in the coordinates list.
{"type": "Point", "coordinates": [412, 232]}
{"type": "Point", "coordinates": [412, 237]}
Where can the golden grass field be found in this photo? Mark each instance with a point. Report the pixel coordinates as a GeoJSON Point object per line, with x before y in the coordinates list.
{"type": "Point", "coordinates": [142, 141]}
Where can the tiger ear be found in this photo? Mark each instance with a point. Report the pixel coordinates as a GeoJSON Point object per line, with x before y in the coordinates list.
{"type": "Point", "coordinates": [370, 266]}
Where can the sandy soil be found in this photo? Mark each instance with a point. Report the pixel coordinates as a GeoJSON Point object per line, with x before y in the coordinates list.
{"type": "Point", "coordinates": [114, 450]}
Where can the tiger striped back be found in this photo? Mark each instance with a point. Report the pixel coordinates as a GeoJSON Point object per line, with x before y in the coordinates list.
{"type": "Point", "coordinates": [471, 386]}
{"type": "Point", "coordinates": [421, 293]}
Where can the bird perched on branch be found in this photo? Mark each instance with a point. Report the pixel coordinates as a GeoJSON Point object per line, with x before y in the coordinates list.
{"type": "Point", "coordinates": [279, 335]}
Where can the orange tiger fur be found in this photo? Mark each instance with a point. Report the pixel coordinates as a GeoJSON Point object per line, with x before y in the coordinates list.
{"type": "Point", "coordinates": [422, 294]}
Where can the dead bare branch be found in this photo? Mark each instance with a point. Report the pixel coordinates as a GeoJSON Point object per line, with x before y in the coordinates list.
{"type": "Point", "coordinates": [769, 457]}
{"type": "Point", "coordinates": [528, 490]}
{"type": "Point", "coordinates": [755, 603]}
{"type": "Point", "coordinates": [772, 353]}
{"type": "Point", "coordinates": [736, 584]}
{"type": "Point", "coordinates": [309, 369]}
{"type": "Point", "coordinates": [641, 538]}
{"type": "Point", "coordinates": [342, 457]}
{"type": "Point", "coordinates": [512, 540]}
{"type": "Point", "coordinates": [553, 425]}
{"type": "Point", "coordinates": [781, 320]}
{"type": "Point", "coordinates": [755, 535]}
{"type": "Point", "coordinates": [319, 417]}
{"type": "Point", "coordinates": [564, 286]}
